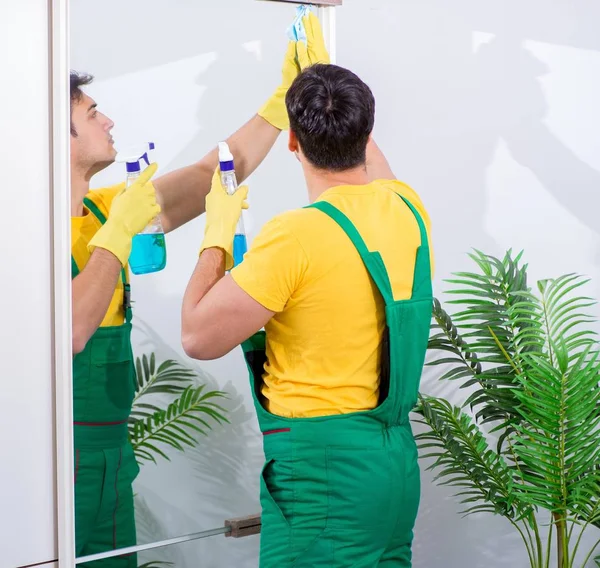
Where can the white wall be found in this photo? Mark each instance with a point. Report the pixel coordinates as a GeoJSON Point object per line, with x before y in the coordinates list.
{"type": "Point", "coordinates": [27, 479]}
{"type": "Point", "coordinates": [489, 110]}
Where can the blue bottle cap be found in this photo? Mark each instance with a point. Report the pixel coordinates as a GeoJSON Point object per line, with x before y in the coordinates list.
{"type": "Point", "coordinates": [226, 166]}
{"type": "Point", "coordinates": [133, 167]}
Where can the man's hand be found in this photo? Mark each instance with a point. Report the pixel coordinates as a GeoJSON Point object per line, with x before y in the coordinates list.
{"type": "Point", "coordinates": [222, 215]}
{"type": "Point", "coordinates": [130, 213]}
{"type": "Point", "coordinates": [298, 57]}
{"type": "Point", "coordinates": [314, 50]}
{"type": "Point", "coordinates": [274, 110]}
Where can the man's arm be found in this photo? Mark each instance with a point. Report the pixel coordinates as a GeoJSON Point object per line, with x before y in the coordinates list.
{"type": "Point", "coordinates": [93, 288]}
{"type": "Point", "coordinates": [182, 193]}
{"type": "Point", "coordinates": [217, 315]}
{"type": "Point", "coordinates": [377, 164]}
{"type": "Point", "coordinates": [92, 291]}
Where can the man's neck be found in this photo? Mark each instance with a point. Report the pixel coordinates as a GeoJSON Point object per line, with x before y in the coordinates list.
{"type": "Point", "coordinates": [319, 181]}
{"type": "Point", "coordinates": [80, 186]}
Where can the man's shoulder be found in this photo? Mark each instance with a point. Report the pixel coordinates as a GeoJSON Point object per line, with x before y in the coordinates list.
{"type": "Point", "coordinates": [296, 221]}
{"type": "Point", "coordinates": [402, 189]}
{"type": "Point", "coordinates": [293, 216]}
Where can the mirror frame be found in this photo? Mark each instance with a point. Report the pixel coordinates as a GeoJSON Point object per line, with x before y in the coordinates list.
{"type": "Point", "coordinates": [61, 276]}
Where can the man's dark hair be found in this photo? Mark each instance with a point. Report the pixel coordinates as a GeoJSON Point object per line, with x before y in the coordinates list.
{"type": "Point", "coordinates": [332, 113]}
{"type": "Point", "coordinates": [78, 80]}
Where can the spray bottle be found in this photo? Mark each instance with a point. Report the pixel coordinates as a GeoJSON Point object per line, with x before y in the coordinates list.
{"type": "Point", "coordinates": [148, 250]}
{"type": "Point", "coordinates": [229, 181]}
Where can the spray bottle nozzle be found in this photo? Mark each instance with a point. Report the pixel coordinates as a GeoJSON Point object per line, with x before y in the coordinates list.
{"type": "Point", "coordinates": [133, 156]}
{"type": "Point", "coordinates": [225, 157]}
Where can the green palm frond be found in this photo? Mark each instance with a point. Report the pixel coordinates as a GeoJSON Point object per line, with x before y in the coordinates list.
{"type": "Point", "coordinates": [485, 299]}
{"type": "Point", "coordinates": [559, 436]}
{"type": "Point", "coordinates": [482, 339]}
{"type": "Point", "coordinates": [170, 378]}
{"type": "Point", "coordinates": [194, 413]}
{"type": "Point", "coordinates": [445, 337]}
{"type": "Point", "coordinates": [461, 453]}
{"type": "Point", "coordinates": [565, 320]}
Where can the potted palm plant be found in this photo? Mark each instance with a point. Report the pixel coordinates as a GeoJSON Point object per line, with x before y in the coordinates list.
{"type": "Point", "coordinates": [526, 442]}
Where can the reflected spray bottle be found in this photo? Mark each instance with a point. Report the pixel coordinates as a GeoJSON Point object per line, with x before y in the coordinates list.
{"type": "Point", "coordinates": [229, 181]}
{"type": "Point", "coordinates": [148, 249]}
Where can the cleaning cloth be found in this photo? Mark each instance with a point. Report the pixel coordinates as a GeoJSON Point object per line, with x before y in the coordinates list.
{"type": "Point", "coordinates": [296, 31]}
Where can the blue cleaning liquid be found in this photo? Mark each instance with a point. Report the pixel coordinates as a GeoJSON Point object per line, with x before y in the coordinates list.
{"type": "Point", "coordinates": [240, 247]}
{"type": "Point", "coordinates": [148, 253]}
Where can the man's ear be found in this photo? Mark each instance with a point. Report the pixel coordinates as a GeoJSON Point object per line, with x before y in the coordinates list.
{"type": "Point", "coordinates": [292, 142]}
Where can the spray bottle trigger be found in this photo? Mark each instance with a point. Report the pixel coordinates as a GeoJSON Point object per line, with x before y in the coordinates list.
{"type": "Point", "coordinates": [145, 157]}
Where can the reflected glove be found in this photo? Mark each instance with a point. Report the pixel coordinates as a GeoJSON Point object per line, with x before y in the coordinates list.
{"type": "Point", "coordinates": [300, 55]}
{"type": "Point", "coordinates": [222, 215]}
{"type": "Point", "coordinates": [313, 50]}
{"type": "Point", "coordinates": [130, 212]}
{"type": "Point", "coordinates": [274, 110]}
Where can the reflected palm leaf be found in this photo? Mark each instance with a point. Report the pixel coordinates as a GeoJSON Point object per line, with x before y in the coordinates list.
{"type": "Point", "coordinates": [194, 412]}
{"type": "Point", "coordinates": [155, 423]}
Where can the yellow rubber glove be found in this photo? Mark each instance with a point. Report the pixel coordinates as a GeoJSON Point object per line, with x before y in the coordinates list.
{"type": "Point", "coordinates": [314, 50]}
{"type": "Point", "coordinates": [222, 215]}
{"type": "Point", "coordinates": [130, 212]}
{"type": "Point", "coordinates": [274, 110]}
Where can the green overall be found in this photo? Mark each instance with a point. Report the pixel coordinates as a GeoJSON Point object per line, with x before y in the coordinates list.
{"type": "Point", "coordinates": [105, 466]}
{"type": "Point", "coordinates": [344, 490]}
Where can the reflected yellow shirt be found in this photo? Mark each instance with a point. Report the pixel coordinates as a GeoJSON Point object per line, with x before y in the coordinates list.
{"type": "Point", "coordinates": [323, 344]}
{"type": "Point", "coordinates": [82, 230]}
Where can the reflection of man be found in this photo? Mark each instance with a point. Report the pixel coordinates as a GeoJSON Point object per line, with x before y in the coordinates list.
{"type": "Point", "coordinates": [343, 289]}
{"type": "Point", "coordinates": [103, 224]}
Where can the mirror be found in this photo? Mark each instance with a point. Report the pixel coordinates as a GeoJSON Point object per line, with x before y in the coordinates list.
{"type": "Point", "coordinates": [184, 76]}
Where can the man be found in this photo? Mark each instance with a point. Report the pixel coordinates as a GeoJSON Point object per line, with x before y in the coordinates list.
{"type": "Point", "coordinates": [343, 290]}
{"type": "Point", "coordinates": [103, 224]}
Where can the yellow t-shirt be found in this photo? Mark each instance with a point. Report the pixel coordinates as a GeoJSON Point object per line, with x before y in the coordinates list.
{"type": "Point", "coordinates": [323, 343]}
{"type": "Point", "coordinates": [82, 230]}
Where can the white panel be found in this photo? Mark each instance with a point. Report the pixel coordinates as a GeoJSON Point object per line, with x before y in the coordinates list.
{"type": "Point", "coordinates": [61, 217]}
{"type": "Point", "coordinates": [26, 396]}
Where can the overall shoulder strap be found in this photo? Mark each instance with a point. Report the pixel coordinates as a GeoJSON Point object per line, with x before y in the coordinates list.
{"type": "Point", "coordinates": [98, 214]}
{"type": "Point", "coordinates": [372, 260]}
{"type": "Point", "coordinates": [74, 268]}
{"type": "Point", "coordinates": [422, 288]}
{"type": "Point", "coordinates": [95, 211]}
{"type": "Point", "coordinates": [422, 229]}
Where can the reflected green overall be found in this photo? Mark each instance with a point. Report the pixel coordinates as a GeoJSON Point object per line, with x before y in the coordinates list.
{"type": "Point", "coordinates": [105, 466]}
{"type": "Point", "coordinates": [344, 490]}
